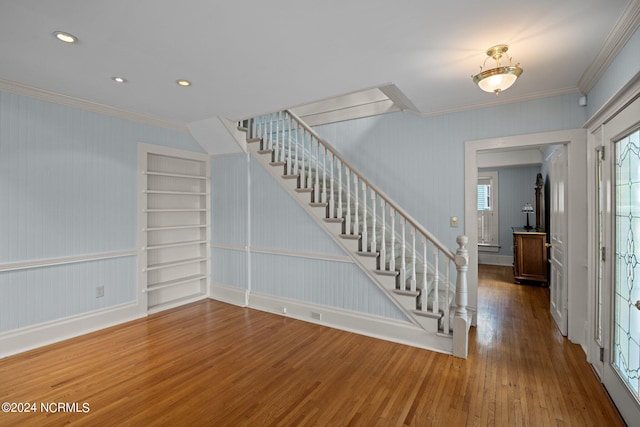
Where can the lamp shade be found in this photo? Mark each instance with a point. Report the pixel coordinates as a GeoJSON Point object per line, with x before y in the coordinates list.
{"type": "Point", "coordinates": [501, 77]}
{"type": "Point", "coordinates": [497, 79]}
{"type": "Point", "coordinates": [527, 208]}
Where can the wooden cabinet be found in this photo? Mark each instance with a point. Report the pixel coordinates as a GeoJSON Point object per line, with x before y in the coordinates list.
{"type": "Point", "coordinates": [529, 255]}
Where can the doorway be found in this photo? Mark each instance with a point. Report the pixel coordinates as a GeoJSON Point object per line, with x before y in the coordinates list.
{"type": "Point", "coordinates": [575, 141]}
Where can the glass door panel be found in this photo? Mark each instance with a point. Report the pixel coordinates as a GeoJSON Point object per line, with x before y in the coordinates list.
{"type": "Point", "coordinates": [626, 297]}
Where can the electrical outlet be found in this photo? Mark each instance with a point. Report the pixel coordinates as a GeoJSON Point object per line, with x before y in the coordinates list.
{"type": "Point", "coordinates": [99, 291]}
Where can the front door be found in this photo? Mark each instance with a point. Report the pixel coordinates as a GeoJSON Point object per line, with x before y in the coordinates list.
{"type": "Point", "coordinates": [558, 234]}
{"type": "Point", "coordinates": [621, 329]}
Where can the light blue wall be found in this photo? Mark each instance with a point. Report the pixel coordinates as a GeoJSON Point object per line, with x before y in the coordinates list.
{"type": "Point", "coordinates": [229, 216]}
{"type": "Point", "coordinates": [68, 188]}
{"type": "Point", "coordinates": [292, 256]}
{"type": "Point", "coordinates": [623, 68]}
{"type": "Point", "coordinates": [419, 162]}
{"type": "Point", "coordinates": [516, 186]}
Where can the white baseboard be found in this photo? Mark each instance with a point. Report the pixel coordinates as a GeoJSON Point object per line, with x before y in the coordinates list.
{"type": "Point", "coordinates": [493, 259]}
{"type": "Point", "coordinates": [364, 324]}
{"type": "Point", "coordinates": [30, 337]}
{"type": "Point", "coordinates": [229, 294]}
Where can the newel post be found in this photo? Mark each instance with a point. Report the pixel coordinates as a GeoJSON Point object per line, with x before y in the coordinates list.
{"type": "Point", "coordinates": [461, 322]}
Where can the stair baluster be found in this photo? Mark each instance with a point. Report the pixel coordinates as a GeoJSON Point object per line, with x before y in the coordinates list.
{"type": "Point", "coordinates": [296, 164]}
{"type": "Point", "coordinates": [347, 218]}
{"type": "Point", "coordinates": [280, 139]}
{"type": "Point", "coordinates": [392, 245]}
{"type": "Point", "coordinates": [356, 215]}
{"type": "Point", "coordinates": [289, 166]}
{"type": "Point", "coordinates": [364, 239]}
{"type": "Point", "coordinates": [383, 239]}
{"type": "Point", "coordinates": [316, 185]}
{"type": "Point", "coordinates": [286, 135]}
{"type": "Point", "coordinates": [374, 244]}
{"type": "Point", "coordinates": [303, 176]}
{"type": "Point", "coordinates": [339, 172]}
{"type": "Point", "coordinates": [446, 326]}
{"type": "Point", "coordinates": [403, 261]}
{"type": "Point", "coordinates": [324, 175]}
{"type": "Point", "coordinates": [412, 283]}
{"type": "Point", "coordinates": [331, 194]}
{"type": "Point", "coordinates": [436, 279]}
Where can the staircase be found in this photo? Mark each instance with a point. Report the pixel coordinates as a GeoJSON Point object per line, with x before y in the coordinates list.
{"type": "Point", "coordinates": [418, 273]}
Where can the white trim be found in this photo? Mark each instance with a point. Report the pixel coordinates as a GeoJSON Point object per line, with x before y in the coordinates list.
{"type": "Point", "coordinates": [576, 140]}
{"type": "Point", "coordinates": [402, 332]}
{"type": "Point", "coordinates": [498, 101]}
{"type": "Point", "coordinates": [229, 294]}
{"type": "Point", "coordinates": [239, 136]}
{"type": "Point", "coordinates": [494, 259]}
{"type": "Point", "coordinates": [83, 104]}
{"type": "Point", "coordinates": [30, 337]}
{"type": "Point", "coordinates": [616, 103]}
{"type": "Point", "coordinates": [623, 30]}
{"type": "Point", "coordinates": [284, 252]}
{"type": "Point", "coordinates": [50, 262]}
{"type": "Point", "coordinates": [144, 150]}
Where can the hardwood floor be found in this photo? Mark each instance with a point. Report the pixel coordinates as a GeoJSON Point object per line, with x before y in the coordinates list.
{"type": "Point", "coordinates": [210, 363]}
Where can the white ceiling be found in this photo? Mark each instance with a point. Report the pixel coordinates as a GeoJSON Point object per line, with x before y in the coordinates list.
{"type": "Point", "coordinates": [250, 57]}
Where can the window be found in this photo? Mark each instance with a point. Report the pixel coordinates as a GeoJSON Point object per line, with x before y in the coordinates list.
{"type": "Point", "coordinates": [487, 206]}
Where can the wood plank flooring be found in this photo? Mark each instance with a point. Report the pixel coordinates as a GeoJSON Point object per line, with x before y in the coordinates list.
{"type": "Point", "coordinates": [211, 363]}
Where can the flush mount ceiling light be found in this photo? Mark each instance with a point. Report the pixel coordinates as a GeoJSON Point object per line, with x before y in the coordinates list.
{"type": "Point", "coordinates": [501, 77]}
{"type": "Point", "coordinates": [65, 37]}
{"type": "Point", "coordinates": [183, 83]}
{"type": "Point", "coordinates": [119, 79]}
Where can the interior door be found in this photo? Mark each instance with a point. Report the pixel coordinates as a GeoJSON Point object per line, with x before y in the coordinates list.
{"type": "Point", "coordinates": [558, 237]}
{"type": "Point", "coordinates": [621, 329]}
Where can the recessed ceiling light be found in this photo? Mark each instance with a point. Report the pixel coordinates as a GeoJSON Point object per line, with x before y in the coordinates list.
{"type": "Point", "coordinates": [183, 83]}
{"type": "Point", "coordinates": [65, 37]}
{"type": "Point", "coordinates": [119, 79]}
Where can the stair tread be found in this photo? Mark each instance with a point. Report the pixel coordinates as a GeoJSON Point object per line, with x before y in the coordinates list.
{"type": "Point", "coordinates": [350, 236]}
{"type": "Point", "coordinates": [336, 220]}
{"type": "Point", "coordinates": [405, 292]}
{"type": "Point", "coordinates": [431, 314]}
{"type": "Point", "coordinates": [387, 272]}
{"type": "Point", "coordinates": [369, 254]}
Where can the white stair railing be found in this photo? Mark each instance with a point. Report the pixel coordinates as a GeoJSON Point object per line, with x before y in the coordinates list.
{"type": "Point", "coordinates": [297, 146]}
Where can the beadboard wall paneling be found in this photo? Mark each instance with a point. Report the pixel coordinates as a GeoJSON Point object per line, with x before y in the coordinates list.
{"type": "Point", "coordinates": [230, 267]}
{"type": "Point", "coordinates": [67, 189]}
{"type": "Point", "coordinates": [329, 283]}
{"type": "Point", "coordinates": [278, 221]}
{"type": "Point", "coordinates": [45, 294]}
{"type": "Point", "coordinates": [516, 186]}
{"type": "Point", "coordinates": [624, 67]}
{"type": "Point", "coordinates": [419, 161]}
{"type": "Point", "coordinates": [229, 200]}
{"type": "Point", "coordinates": [68, 179]}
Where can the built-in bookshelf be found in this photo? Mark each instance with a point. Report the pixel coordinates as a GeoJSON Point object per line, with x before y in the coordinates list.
{"type": "Point", "coordinates": [175, 220]}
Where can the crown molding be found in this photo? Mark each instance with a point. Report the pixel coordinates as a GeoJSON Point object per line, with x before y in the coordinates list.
{"type": "Point", "coordinates": [617, 39]}
{"type": "Point", "coordinates": [498, 102]}
{"type": "Point", "coordinates": [83, 104]}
